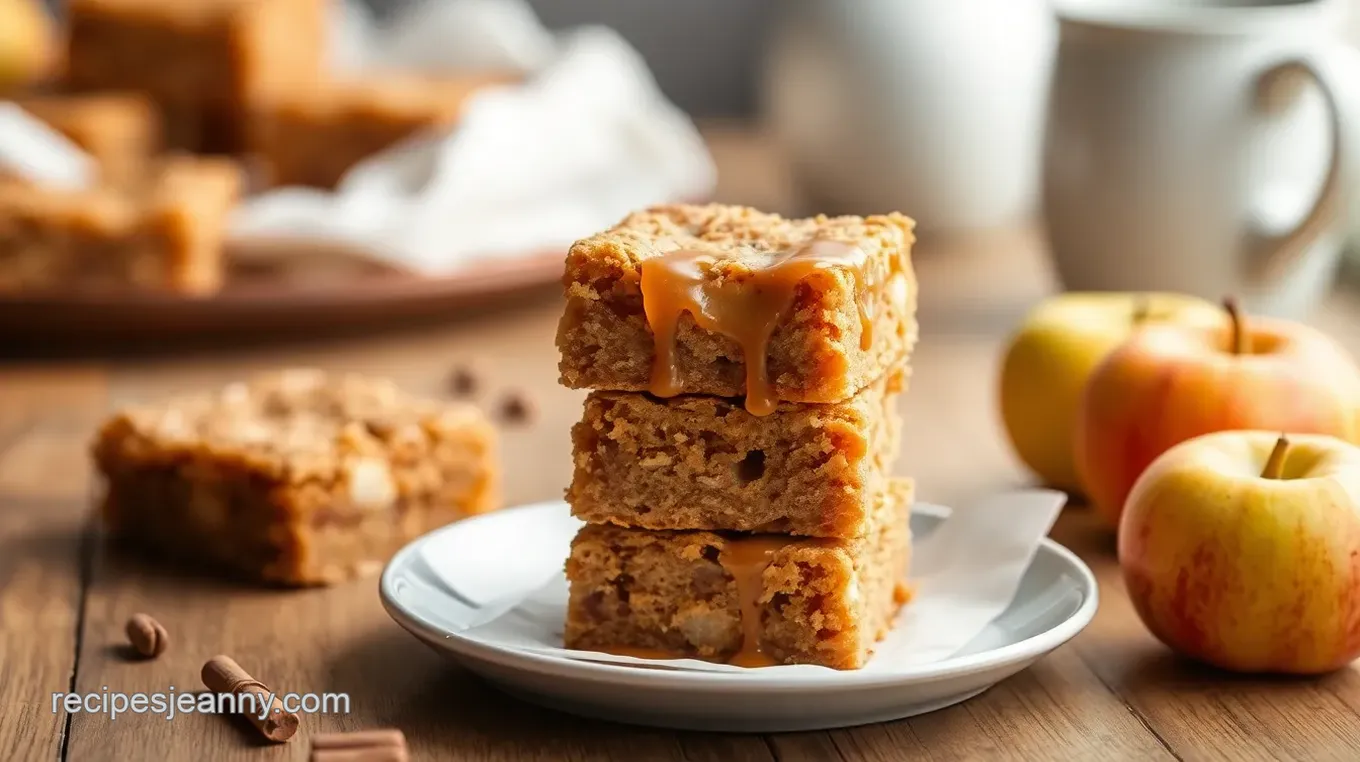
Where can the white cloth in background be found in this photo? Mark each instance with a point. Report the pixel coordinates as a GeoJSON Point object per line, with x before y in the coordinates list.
{"type": "Point", "coordinates": [36, 153]}
{"type": "Point", "coordinates": [529, 168]}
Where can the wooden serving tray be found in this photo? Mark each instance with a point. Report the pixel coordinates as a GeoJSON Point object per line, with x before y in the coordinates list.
{"type": "Point", "coordinates": [259, 302]}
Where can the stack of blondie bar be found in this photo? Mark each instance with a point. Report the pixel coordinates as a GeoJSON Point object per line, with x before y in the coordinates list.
{"type": "Point", "coordinates": [732, 463]}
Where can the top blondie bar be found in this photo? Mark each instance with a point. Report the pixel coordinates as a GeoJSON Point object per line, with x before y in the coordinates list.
{"type": "Point", "coordinates": [733, 302]}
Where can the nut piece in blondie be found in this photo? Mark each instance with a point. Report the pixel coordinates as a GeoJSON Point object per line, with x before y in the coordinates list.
{"type": "Point", "coordinates": [206, 62]}
{"type": "Point", "coordinates": [165, 234]}
{"type": "Point", "coordinates": [312, 136]}
{"type": "Point", "coordinates": [120, 131]}
{"type": "Point", "coordinates": [294, 478]}
{"type": "Point", "coordinates": [749, 600]}
{"type": "Point", "coordinates": [730, 301]}
{"type": "Point", "coordinates": [698, 462]}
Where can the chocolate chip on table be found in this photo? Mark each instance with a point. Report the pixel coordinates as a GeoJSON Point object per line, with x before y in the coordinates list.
{"type": "Point", "coordinates": [148, 636]}
{"type": "Point", "coordinates": [466, 378]}
{"type": "Point", "coordinates": [518, 407]}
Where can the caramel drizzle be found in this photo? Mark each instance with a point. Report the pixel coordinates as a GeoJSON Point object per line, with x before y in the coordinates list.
{"type": "Point", "coordinates": [746, 560]}
{"type": "Point", "coordinates": [745, 309]}
{"type": "Point", "coordinates": [640, 652]}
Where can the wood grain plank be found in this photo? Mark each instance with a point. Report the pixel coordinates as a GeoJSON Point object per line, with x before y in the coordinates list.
{"type": "Point", "coordinates": [717, 747]}
{"type": "Point", "coordinates": [44, 416]}
{"type": "Point", "coordinates": [805, 747]}
{"type": "Point", "coordinates": [1057, 709]}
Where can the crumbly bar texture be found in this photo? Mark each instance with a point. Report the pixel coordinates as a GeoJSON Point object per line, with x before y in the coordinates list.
{"type": "Point", "coordinates": [120, 131]}
{"type": "Point", "coordinates": [312, 136]}
{"type": "Point", "coordinates": [821, 601]}
{"type": "Point", "coordinates": [294, 478]}
{"type": "Point", "coordinates": [816, 352]}
{"type": "Point", "coordinates": [697, 462]}
{"type": "Point", "coordinates": [206, 62]}
{"type": "Point", "coordinates": [164, 234]}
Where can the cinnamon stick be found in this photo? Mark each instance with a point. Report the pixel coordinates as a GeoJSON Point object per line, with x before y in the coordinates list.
{"type": "Point", "coordinates": [221, 674]}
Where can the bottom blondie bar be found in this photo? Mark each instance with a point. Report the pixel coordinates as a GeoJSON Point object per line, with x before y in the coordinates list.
{"type": "Point", "coordinates": [295, 478]}
{"type": "Point", "coordinates": [750, 600]}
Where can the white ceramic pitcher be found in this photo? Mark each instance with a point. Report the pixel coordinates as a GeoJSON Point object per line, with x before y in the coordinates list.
{"type": "Point", "coordinates": [1186, 150]}
{"type": "Point", "coordinates": [931, 107]}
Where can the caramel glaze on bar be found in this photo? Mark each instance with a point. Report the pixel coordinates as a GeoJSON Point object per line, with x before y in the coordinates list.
{"type": "Point", "coordinates": [745, 309]}
{"type": "Point", "coordinates": [746, 560]}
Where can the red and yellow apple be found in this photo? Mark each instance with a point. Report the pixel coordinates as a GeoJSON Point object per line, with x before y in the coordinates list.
{"type": "Point", "coordinates": [1242, 550]}
{"type": "Point", "coordinates": [1169, 383]}
{"type": "Point", "coordinates": [1049, 358]}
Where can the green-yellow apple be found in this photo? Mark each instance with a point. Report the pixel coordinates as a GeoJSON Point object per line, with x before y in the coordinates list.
{"type": "Point", "coordinates": [1242, 549]}
{"type": "Point", "coordinates": [1169, 383]}
{"type": "Point", "coordinates": [1054, 351]}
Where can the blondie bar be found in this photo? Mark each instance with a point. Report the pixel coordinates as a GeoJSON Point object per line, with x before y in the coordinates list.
{"type": "Point", "coordinates": [312, 136]}
{"type": "Point", "coordinates": [164, 234]}
{"type": "Point", "coordinates": [697, 462]}
{"type": "Point", "coordinates": [120, 131]}
{"type": "Point", "coordinates": [205, 62]}
{"type": "Point", "coordinates": [729, 301]}
{"type": "Point", "coordinates": [296, 477]}
{"type": "Point", "coordinates": [750, 600]}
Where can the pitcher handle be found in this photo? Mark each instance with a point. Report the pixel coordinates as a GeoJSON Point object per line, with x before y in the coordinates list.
{"type": "Point", "coordinates": [1276, 253]}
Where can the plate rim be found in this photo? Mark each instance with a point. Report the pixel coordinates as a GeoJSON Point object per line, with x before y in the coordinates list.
{"type": "Point", "coordinates": [1029, 648]}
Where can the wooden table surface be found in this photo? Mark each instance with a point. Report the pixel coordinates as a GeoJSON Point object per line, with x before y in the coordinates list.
{"type": "Point", "coordinates": [1113, 693]}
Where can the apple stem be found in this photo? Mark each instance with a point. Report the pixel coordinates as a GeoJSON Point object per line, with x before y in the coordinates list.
{"type": "Point", "coordinates": [1141, 309]}
{"type": "Point", "coordinates": [1241, 340]}
{"type": "Point", "coordinates": [1275, 463]}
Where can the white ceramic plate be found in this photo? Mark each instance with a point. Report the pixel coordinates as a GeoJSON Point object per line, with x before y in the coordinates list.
{"type": "Point", "coordinates": [419, 599]}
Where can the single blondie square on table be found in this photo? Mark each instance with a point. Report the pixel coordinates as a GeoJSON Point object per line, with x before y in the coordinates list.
{"type": "Point", "coordinates": [697, 462]}
{"type": "Point", "coordinates": [120, 131]}
{"type": "Point", "coordinates": [730, 301]}
{"type": "Point", "coordinates": [297, 477]}
{"type": "Point", "coordinates": [205, 61]}
{"type": "Point", "coordinates": [165, 233]}
{"type": "Point", "coordinates": [750, 600]}
{"type": "Point", "coordinates": [313, 135]}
